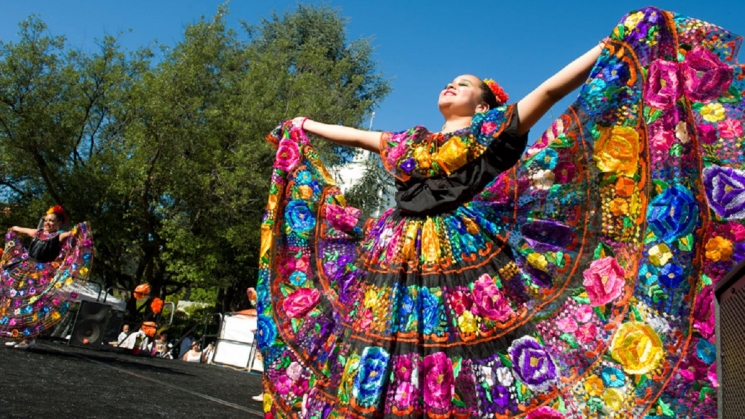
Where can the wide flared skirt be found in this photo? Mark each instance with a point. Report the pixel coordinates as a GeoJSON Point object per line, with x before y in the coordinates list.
{"type": "Point", "coordinates": [578, 284]}
{"type": "Point", "coordinates": [34, 296]}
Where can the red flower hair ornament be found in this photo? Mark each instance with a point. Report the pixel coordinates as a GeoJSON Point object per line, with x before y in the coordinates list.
{"type": "Point", "coordinates": [499, 93]}
{"type": "Point", "coordinates": [59, 212]}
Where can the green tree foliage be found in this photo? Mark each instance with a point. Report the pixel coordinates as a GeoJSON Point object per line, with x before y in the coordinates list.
{"type": "Point", "coordinates": [168, 161]}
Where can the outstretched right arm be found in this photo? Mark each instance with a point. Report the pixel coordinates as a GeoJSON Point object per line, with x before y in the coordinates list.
{"type": "Point", "coordinates": [339, 134]}
{"type": "Point", "coordinates": [23, 230]}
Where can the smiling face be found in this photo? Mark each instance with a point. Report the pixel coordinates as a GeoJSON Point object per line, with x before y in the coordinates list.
{"type": "Point", "coordinates": [462, 97]}
{"type": "Point", "coordinates": [51, 223]}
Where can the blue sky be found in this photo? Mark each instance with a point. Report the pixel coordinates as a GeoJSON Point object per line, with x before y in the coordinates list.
{"type": "Point", "coordinates": [419, 45]}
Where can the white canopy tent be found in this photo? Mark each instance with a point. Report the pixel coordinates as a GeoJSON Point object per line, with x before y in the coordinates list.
{"type": "Point", "coordinates": [93, 292]}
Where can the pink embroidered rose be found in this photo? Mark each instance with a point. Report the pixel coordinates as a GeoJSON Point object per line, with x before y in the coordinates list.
{"type": "Point", "coordinates": [705, 76]}
{"type": "Point", "coordinates": [286, 265]}
{"type": "Point", "coordinates": [396, 148]}
{"type": "Point", "coordinates": [544, 412]}
{"type": "Point", "coordinates": [703, 312]}
{"type": "Point", "coordinates": [405, 393]}
{"type": "Point", "coordinates": [566, 324]}
{"type": "Point", "coordinates": [489, 300]}
{"type": "Point", "coordinates": [283, 384]}
{"type": "Point", "coordinates": [587, 333]}
{"type": "Point", "coordinates": [738, 231]}
{"type": "Point", "coordinates": [437, 374]}
{"type": "Point", "coordinates": [661, 138]}
{"type": "Point", "coordinates": [288, 155]}
{"type": "Point", "coordinates": [300, 387]}
{"type": "Point", "coordinates": [294, 371]}
{"type": "Point", "coordinates": [604, 281]}
{"type": "Point", "coordinates": [300, 302]}
{"type": "Point", "coordinates": [730, 128]}
{"type": "Point", "coordinates": [460, 302]}
{"type": "Point", "coordinates": [564, 172]}
{"type": "Point", "coordinates": [707, 134]}
{"type": "Point", "coordinates": [712, 375]}
{"type": "Point", "coordinates": [663, 85]}
{"type": "Point", "coordinates": [342, 218]}
{"type": "Point", "coordinates": [488, 127]}
{"type": "Point", "coordinates": [583, 314]}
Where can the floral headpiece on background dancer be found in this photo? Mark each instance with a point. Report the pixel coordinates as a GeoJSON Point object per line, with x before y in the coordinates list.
{"type": "Point", "coordinates": [499, 93]}
{"type": "Point", "coordinates": [59, 212]}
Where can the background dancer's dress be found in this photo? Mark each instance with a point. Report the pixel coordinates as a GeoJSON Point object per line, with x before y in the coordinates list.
{"type": "Point", "coordinates": [35, 290]}
{"type": "Point", "coordinates": [576, 284]}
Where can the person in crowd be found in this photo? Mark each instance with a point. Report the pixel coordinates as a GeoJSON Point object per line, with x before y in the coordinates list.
{"type": "Point", "coordinates": [194, 354]}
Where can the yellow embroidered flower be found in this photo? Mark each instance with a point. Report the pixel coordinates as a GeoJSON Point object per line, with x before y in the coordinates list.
{"type": "Point", "coordinates": [637, 348]}
{"type": "Point", "coordinates": [538, 260]}
{"type": "Point", "coordinates": [408, 250]}
{"type": "Point", "coordinates": [272, 204]}
{"type": "Point", "coordinates": [659, 254]}
{"type": "Point", "coordinates": [371, 298]}
{"type": "Point", "coordinates": [718, 248]}
{"type": "Point", "coordinates": [422, 157]}
{"type": "Point", "coordinates": [613, 399]}
{"type": "Point", "coordinates": [266, 240]}
{"type": "Point", "coordinates": [713, 112]}
{"type": "Point", "coordinates": [594, 385]}
{"type": "Point", "coordinates": [619, 207]}
{"type": "Point", "coordinates": [267, 402]}
{"type": "Point", "coordinates": [467, 322]}
{"type": "Point", "coordinates": [305, 191]}
{"type": "Point", "coordinates": [55, 315]}
{"type": "Point", "coordinates": [617, 150]}
{"type": "Point", "coordinates": [430, 243]}
{"type": "Point", "coordinates": [451, 155]}
{"type": "Point", "coordinates": [633, 19]}
{"type": "Point", "coordinates": [471, 226]}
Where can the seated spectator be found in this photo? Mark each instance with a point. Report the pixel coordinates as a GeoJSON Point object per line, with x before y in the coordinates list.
{"type": "Point", "coordinates": [194, 354]}
{"type": "Point", "coordinates": [160, 346]}
{"type": "Point", "coordinates": [123, 335]}
{"type": "Point", "coordinates": [186, 342]}
{"type": "Point", "coordinates": [208, 353]}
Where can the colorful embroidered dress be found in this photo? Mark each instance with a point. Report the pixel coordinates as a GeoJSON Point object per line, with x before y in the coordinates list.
{"type": "Point", "coordinates": [34, 283]}
{"type": "Point", "coordinates": [576, 284]}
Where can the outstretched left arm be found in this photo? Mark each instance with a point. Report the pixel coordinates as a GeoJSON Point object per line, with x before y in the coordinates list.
{"type": "Point", "coordinates": [533, 106]}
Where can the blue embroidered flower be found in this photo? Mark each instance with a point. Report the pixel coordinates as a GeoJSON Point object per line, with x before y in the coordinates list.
{"type": "Point", "coordinates": [648, 274]}
{"type": "Point", "coordinates": [368, 383]}
{"type": "Point", "coordinates": [298, 278]}
{"type": "Point", "coordinates": [303, 177]}
{"type": "Point", "coordinates": [408, 165]}
{"type": "Point", "coordinates": [616, 72]}
{"type": "Point", "coordinates": [546, 159]}
{"type": "Point", "coordinates": [613, 377]}
{"type": "Point", "coordinates": [671, 275]}
{"type": "Point", "coordinates": [706, 351]}
{"type": "Point", "coordinates": [267, 331]}
{"type": "Point", "coordinates": [299, 217]}
{"type": "Point", "coordinates": [673, 213]}
{"type": "Point", "coordinates": [430, 310]}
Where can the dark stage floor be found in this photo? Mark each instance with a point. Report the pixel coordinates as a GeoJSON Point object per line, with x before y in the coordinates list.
{"type": "Point", "coordinates": [54, 380]}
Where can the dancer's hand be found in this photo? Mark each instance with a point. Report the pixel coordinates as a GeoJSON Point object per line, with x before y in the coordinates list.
{"type": "Point", "coordinates": [299, 121]}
